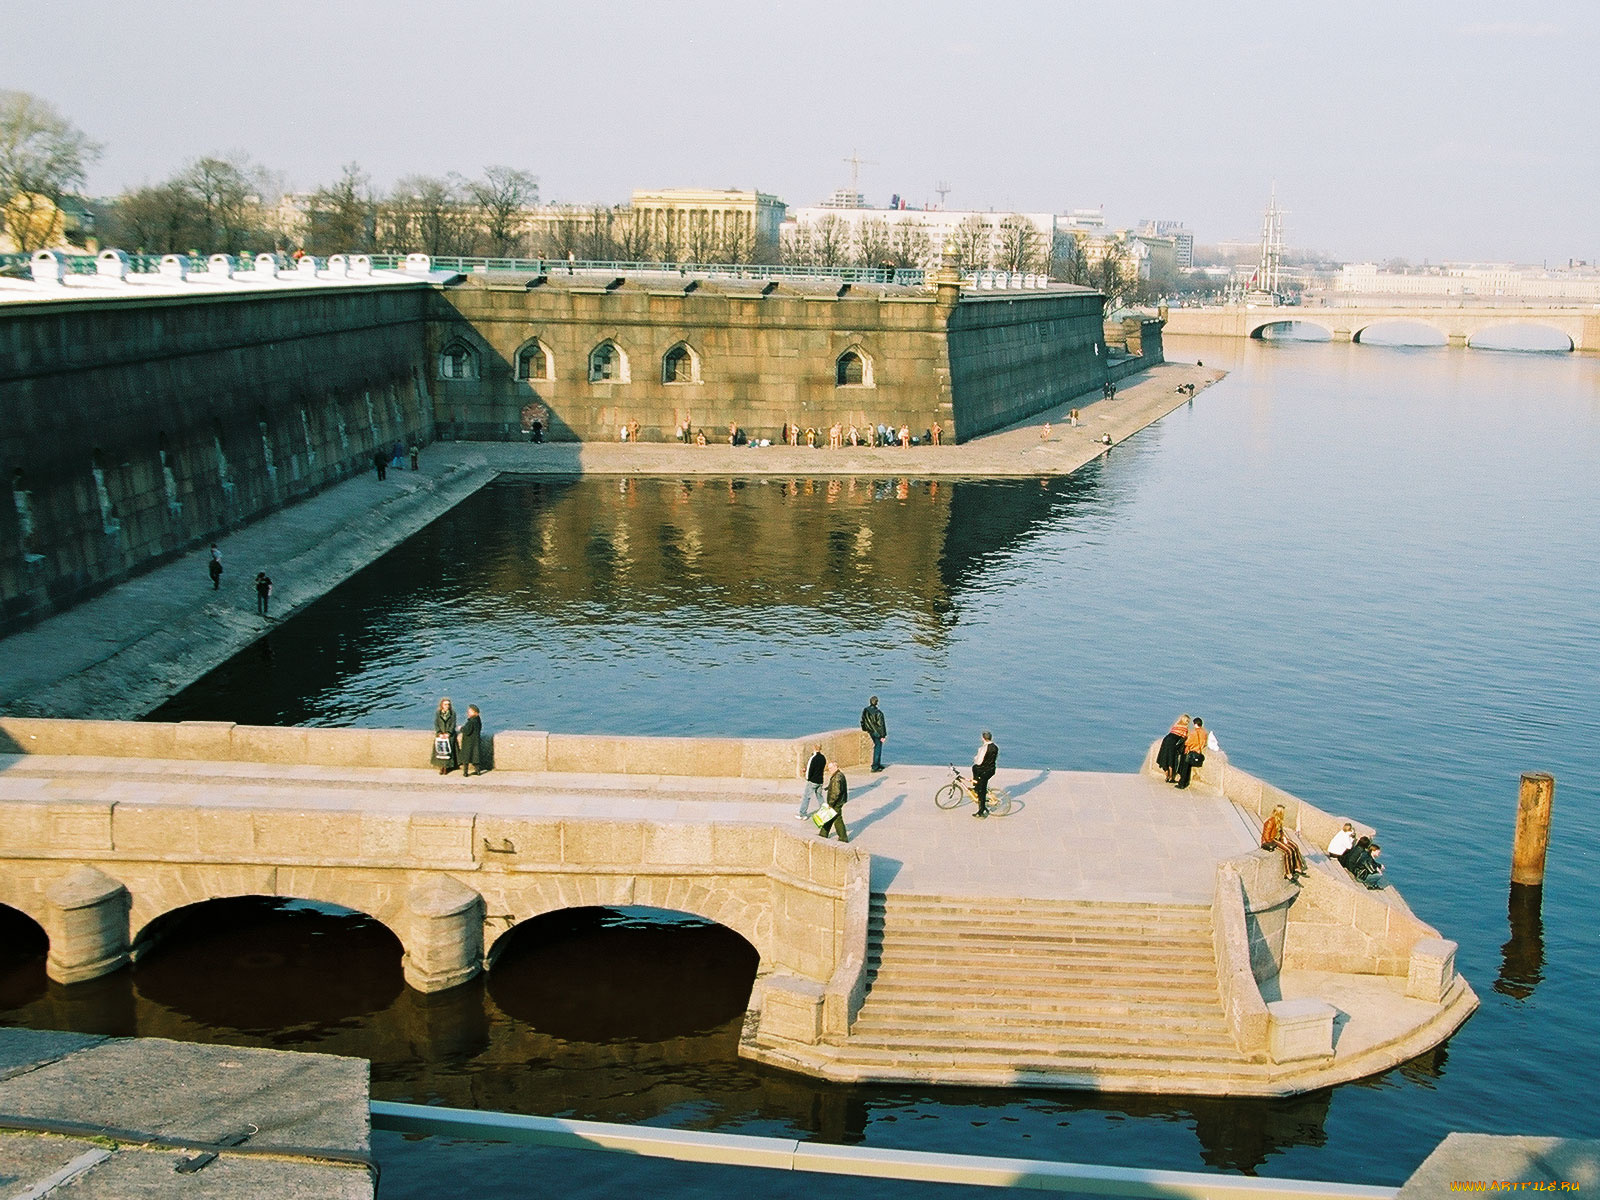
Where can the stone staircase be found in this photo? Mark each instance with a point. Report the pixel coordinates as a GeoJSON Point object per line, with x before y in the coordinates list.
{"type": "Point", "coordinates": [1103, 996]}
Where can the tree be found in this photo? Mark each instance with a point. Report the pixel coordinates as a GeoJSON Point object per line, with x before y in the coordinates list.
{"type": "Point", "coordinates": [1021, 246]}
{"type": "Point", "coordinates": [632, 237]}
{"type": "Point", "coordinates": [831, 247]}
{"type": "Point", "coordinates": [910, 245]}
{"type": "Point", "coordinates": [343, 214]}
{"type": "Point", "coordinates": [1068, 264]}
{"type": "Point", "coordinates": [227, 201]}
{"type": "Point", "coordinates": [156, 219]}
{"type": "Point", "coordinates": [43, 156]}
{"type": "Point", "coordinates": [1113, 274]}
{"type": "Point", "coordinates": [430, 214]}
{"type": "Point", "coordinates": [501, 195]}
{"type": "Point", "coordinates": [969, 244]}
{"type": "Point", "coordinates": [874, 243]}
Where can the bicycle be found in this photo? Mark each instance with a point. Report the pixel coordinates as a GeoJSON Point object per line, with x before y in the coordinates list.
{"type": "Point", "coordinates": [960, 790]}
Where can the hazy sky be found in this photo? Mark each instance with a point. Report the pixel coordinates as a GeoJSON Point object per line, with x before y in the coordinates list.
{"type": "Point", "coordinates": [1443, 130]}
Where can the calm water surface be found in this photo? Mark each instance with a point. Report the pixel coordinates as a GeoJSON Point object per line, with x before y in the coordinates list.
{"type": "Point", "coordinates": [1372, 570]}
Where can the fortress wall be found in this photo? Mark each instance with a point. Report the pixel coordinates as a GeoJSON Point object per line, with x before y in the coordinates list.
{"type": "Point", "coordinates": [132, 430]}
{"type": "Point", "coordinates": [763, 360]}
{"type": "Point", "coordinates": [1016, 354]}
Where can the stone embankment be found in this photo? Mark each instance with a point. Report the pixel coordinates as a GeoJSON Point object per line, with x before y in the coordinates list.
{"type": "Point", "coordinates": [120, 654]}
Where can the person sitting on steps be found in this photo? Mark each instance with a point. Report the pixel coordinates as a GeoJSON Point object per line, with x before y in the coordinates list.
{"type": "Point", "coordinates": [1275, 837]}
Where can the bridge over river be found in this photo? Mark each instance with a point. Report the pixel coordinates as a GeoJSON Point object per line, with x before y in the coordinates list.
{"type": "Point", "coordinates": [1459, 324]}
{"type": "Point", "coordinates": [1114, 933]}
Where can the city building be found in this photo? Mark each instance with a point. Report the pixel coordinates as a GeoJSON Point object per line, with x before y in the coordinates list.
{"type": "Point", "coordinates": [938, 226]}
{"type": "Point", "coordinates": [1182, 238]}
{"type": "Point", "coordinates": [1466, 281]}
{"type": "Point", "coordinates": [709, 225]}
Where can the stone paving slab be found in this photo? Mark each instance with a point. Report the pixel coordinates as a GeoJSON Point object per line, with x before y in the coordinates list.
{"type": "Point", "coordinates": [172, 1089]}
{"type": "Point", "coordinates": [1482, 1158]}
{"type": "Point", "coordinates": [1074, 836]}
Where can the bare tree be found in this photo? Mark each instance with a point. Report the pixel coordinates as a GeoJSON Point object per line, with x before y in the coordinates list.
{"type": "Point", "coordinates": [631, 233]}
{"type": "Point", "coordinates": [157, 219]}
{"type": "Point", "coordinates": [1021, 245]}
{"type": "Point", "coordinates": [874, 243]}
{"type": "Point", "coordinates": [700, 244]}
{"type": "Point", "coordinates": [969, 244]}
{"type": "Point", "coordinates": [910, 245]}
{"type": "Point", "coordinates": [800, 248]}
{"type": "Point", "coordinates": [501, 195]}
{"type": "Point", "coordinates": [43, 156]}
{"type": "Point", "coordinates": [430, 214]}
{"type": "Point", "coordinates": [1113, 274]}
{"type": "Point", "coordinates": [343, 214]}
{"type": "Point", "coordinates": [227, 201]}
{"type": "Point", "coordinates": [737, 245]}
{"type": "Point", "coordinates": [1067, 261]}
{"type": "Point", "coordinates": [832, 244]}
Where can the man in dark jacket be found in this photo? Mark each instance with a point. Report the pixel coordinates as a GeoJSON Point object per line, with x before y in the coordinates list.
{"type": "Point", "coordinates": [983, 764]}
{"type": "Point", "coordinates": [816, 765]}
{"type": "Point", "coordinates": [838, 793]}
{"type": "Point", "coordinates": [877, 729]}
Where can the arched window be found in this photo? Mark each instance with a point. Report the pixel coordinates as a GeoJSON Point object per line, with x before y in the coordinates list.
{"type": "Point", "coordinates": [680, 365]}
{"type": "Point", "coordinates": [534, 362]}
{"type": "Point", "coordinates": [458, 360]}
{"type": "Point", "coordinates": [854, 369]}
{"type": "Point", "coordinates": [608, 364]}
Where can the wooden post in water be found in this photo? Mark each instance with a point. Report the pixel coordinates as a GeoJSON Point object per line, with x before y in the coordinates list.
{"type": "Point", "coordinates": [1533, 828]}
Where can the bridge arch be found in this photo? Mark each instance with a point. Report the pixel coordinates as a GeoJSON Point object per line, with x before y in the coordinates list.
{"type": "Point", "coordinates": [1260, 325]}
{"type": "Point", "coordinates": [1557, 340]}
{"type": "Point", "coordinates": [1441, 337]}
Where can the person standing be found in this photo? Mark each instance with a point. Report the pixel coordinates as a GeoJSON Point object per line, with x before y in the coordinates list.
{"type": "Point", "coordinates": [380, 461]}
{"type": "Point", "coordinates": [471, 742]}
{"type": "Point", "coordinates": [1172, 748]}
{"type": "Point", "coordinates": [816, 766]}
{"type": "Point", "coordinates": [877, 729]}
{"type": "Point", "coordinates": [416, 457]}
{"type": "Point", "coordinates": [263, 592]}
{"type": "Point", "coordinates": [1194, 751]}
{"type": "Point", "coordinates": [444, 736]}
{"type": "Point", "coordinates": [838, 793]}
{"type": "Point", "coordinates": [983, 764]}
{"type": "Point", "coordinates": [215, 567]}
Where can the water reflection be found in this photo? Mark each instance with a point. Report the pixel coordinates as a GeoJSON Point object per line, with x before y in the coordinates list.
{"type": "Point", "coordinates": [1522, 958]}
{"type": "Point", "coordinates": [664, 569]}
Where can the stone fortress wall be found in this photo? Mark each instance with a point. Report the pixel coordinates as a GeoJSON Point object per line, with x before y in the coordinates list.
{"type": "Point", "coordinates": [134, 429]}
{"type": "Point", "coordinates": [757, 354]}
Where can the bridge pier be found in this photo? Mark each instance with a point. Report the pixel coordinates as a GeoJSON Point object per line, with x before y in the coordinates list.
{"type": "Point", "coordinates": [1458, 341]}
{"type": "Point", "coordinates": [1343, 335]}
{"type": "Point", "coordinates": [86, 919]}
{"type": "Point", "coordinates": [443, 935]}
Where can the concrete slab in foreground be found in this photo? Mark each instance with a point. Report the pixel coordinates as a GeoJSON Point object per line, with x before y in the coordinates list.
{"type": "Point", "coordinates": [123, 1117]}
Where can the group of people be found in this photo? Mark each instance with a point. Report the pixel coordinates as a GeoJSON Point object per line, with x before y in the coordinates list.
{"type": "Point", "coordinates": [1183, 749]}
{"type": "Point", "coordinates": [1358, 855]}
{"type": "Point", "coordinates": [263, 581]}
{"type": "Point", "coordinates": [395, 457]}
{"type": "Point", "coordinates": [453, 747]}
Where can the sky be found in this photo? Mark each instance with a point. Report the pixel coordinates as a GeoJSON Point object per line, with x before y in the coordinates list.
{"type": "Point", "coordinates": [1459, 131]}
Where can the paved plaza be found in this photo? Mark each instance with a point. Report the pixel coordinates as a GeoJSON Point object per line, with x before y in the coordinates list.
{"type": "Point", "coordinates": [1075, 835]}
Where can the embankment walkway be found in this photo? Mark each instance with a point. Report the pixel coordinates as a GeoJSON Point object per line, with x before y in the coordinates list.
{"type": "Point", "coordinates": [121, 654]}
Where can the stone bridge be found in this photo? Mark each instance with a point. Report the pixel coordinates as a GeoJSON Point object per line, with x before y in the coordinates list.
{"type": "Point", "coordinates": [928, 950]}
{"type": "Point", "coordinates": [1459, 324]}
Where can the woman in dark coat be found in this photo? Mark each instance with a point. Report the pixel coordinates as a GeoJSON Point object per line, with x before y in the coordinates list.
{"type": "Point", "coordinates": [1172, 748]}
{"type": "Point", "coordinates": [444, 725]}
{"type": "Point", "coordinates": [471, 734]}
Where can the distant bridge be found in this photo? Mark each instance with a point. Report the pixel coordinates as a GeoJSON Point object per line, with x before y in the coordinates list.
{"type": "Point", "coordinates": [1459, 325]}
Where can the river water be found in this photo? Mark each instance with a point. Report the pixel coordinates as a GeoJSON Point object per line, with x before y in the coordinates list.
{"type": "Point", "coordinates": [1373, 570]}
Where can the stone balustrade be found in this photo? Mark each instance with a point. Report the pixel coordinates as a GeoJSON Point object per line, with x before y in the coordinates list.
{"type": "Point", "coordinates": [535, 750]}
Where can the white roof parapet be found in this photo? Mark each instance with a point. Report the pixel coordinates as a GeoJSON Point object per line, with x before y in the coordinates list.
{"type": "Point", "coordinates": [361, 266]}
{"type": "Point", "coordinates": [338, 266]}
{"type": "Point", "coordinates": [307, 266]}
{"type": "Point", "coordinates": [418, 264]}
{"type": "Point", "coordinates": [112, 264]}
{"type": "Point", "coordinates": [220, 266]}
{"type": "Point", "coordinates": [48, 267]}
{"type": "Point", "coordinates": [174, 266]}
{"type": "Point", "coordinates": [266, 266]}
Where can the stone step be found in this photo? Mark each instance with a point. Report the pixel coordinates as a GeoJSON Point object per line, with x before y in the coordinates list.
{"type": "Point", "coordinates": [1048, 973]}
{"type": "Point", "coordinates": [1026, 908]}
{"type": "Point", "coordinates": [903, 983]}
{"type": "Point", "coordinates": [1089, 1071]}
{"type": "Point", "coordinates": [910, 1003]}
{"type": "Point", "coordinates": [1027, 1027]}
{"type": "Point", "coordinates": [976, 944]}
{"type": "Point", "coordinates": [976, 1044]}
